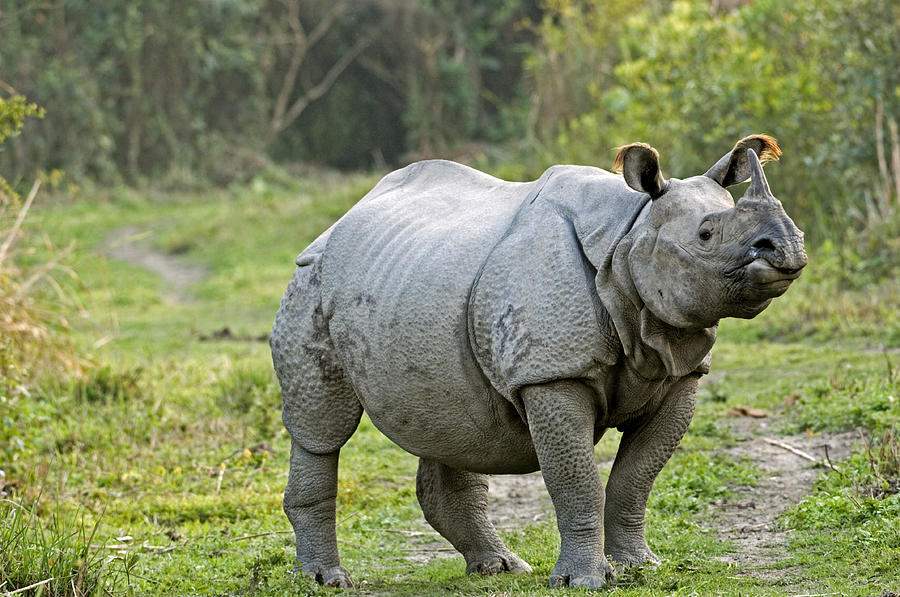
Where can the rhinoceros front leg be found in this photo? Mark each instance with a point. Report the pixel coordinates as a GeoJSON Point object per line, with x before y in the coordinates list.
{"type": "Point", "coordinates": [644, 450]}
{"type": "Point", "coordinates": [561, 419]}
{"type": "Point", "coordinates": [455, 504]}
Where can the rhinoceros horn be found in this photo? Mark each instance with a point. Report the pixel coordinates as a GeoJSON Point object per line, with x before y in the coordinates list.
{"type": "Point", "coordinates": [758, 190]}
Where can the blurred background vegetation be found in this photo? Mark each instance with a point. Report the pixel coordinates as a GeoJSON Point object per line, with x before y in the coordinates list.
{"type": "Point", "coordinates": [175, 93]}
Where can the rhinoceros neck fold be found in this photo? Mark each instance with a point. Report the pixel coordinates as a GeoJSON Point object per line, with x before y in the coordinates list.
{"type": "Point", "coordinates": [655, 349]}
{"type": "Point", "coordinates": [604, 212]}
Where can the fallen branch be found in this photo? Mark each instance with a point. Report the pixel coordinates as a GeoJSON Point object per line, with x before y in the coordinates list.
{"type": "Point", "coordinates": [145, 547]}
{"type": "Point", "coordinates": [800, 453]}
{"type": "Point", "coordinates": [266, 534]}
{"type": "Point", "coordinates": [29, 587]}
{"type": "Point", "coordinates": [790, 449]}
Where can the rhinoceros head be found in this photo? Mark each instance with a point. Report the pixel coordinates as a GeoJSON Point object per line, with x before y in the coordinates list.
{"type": "Point", "coordinates": [698, 256]}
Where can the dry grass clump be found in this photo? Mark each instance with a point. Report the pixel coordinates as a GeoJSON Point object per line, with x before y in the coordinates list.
{"type": "Point", "coordinates": [33, 340]}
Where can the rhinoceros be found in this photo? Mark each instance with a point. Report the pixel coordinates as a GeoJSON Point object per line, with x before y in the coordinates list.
{"type": "Point", "coordinates": [493, 327]}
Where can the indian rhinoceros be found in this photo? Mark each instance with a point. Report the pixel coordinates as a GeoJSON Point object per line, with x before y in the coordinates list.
{"type": "Point", "coordinates": [493, 327]}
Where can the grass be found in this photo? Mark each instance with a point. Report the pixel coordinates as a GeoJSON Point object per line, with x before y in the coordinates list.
{"type": "Point", "coordinates": [175, 440]}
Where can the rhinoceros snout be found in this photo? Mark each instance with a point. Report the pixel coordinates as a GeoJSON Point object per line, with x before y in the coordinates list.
{"type": "Point", "coordinates": [788, 257]}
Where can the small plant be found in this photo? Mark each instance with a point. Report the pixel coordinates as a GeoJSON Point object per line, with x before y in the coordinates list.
{"type": "Point", "coordinates": [885, 466]}
{"type": "Point", "coordinates": [52, 553]}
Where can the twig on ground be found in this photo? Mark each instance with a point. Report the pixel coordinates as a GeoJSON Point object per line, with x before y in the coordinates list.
{"type": "Point", "coordinates": [145, 547]}
{"type": "Point", "coordinates": [828, 461]}
{"type": "Point", "coordinates": [266, 534]}
{"type": "Point", "coordinates": [29, 587]}
{"type": "Point", "coordinates": [219, 480]}
{"type": "Point", "coordinates": [790, 449]}
{"type": "Point", "coordinates": [801, 453]}
{"type": "Point", "coordinates": [348, 517]}
{"type": "Point", "coordinates": [160, 548]}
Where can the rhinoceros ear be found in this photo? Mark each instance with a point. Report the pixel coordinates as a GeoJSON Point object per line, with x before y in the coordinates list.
{"type": "Point", "coordinates": [639, 164]}
{"type": "Point", "coordinates": [734, 166]}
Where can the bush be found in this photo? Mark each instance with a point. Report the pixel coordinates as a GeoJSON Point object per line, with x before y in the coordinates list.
{"type": "Point", "coordinates": [822, 76]}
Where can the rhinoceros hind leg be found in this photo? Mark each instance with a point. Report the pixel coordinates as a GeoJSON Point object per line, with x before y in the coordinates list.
{"type": "Point", "coordinates": [455, 504]}
{"type": "Point", "coordinates": [309, 502]}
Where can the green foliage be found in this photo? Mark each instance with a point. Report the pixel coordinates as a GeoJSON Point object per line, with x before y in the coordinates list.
{"type": "Point", "coordinates": [197, 93]}
{"type": "Point", "coordinates": [849, 399]}
{"type": "Point", "coordinates": [33, 325]}
{"type": "Point", "coordinates": [104, 384]}
{"type": "Point", "coordinates": [53, 553]}
{"type": "Point", "coordinates": [810, 73]}
{"type": "Point", "coordinates": [696, 479]}
{"type": "Point", "coordinates": [13, 112]}
{"type": "Point", "coordinates": [836, 504]}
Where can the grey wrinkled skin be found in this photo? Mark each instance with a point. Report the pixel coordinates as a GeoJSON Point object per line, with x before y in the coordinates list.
{"type": "Point", "coordinates": [491, 327]}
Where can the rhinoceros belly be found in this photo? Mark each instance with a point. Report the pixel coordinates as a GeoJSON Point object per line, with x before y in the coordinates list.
{"type": "Point", "coordinates": [397, 273]}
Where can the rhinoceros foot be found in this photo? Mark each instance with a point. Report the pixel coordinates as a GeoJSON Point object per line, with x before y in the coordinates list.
{"type": "Point", "coordinates": [492, 563]}
{"type": "Point", "coordinates": [337, 577]}
{"type": "Point", "coordinates": [631, 555]}
{"type": "Point", "coordinates": [596, 576]}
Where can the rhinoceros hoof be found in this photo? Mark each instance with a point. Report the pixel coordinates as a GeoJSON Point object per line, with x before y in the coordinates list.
{"type": "Point", "coordinates": [564, 575]}
{"type": "Point", "coordinates": [626, 559]}
{"type": "Point", "coordinates": [488, 564]}
{"type": "Point", "coordinates": [337, 577]}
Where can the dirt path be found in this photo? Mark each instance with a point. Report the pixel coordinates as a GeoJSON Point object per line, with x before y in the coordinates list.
{"type": "Point", "coordinates": [125, 244]}
{"type": "Point", "coordinates": [747, 519]}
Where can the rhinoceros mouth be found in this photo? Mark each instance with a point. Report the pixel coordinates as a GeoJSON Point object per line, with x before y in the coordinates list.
{"type": "Point", "coordinates": [762, 272]}
{"type": "Point", "coordinates": [767, 280]}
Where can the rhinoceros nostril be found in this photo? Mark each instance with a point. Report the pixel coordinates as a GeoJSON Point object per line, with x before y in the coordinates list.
{"type": "Point", "coordinates": [763, 244]}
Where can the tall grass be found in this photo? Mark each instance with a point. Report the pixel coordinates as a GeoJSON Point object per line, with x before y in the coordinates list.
{"type": "Point", "coordinates": [32, 301]}
{"type": "Point", "coordinates": [52, 554]}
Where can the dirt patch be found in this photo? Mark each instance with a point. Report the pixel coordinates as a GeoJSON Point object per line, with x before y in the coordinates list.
{"type": "Point", "coordinates": [515, 501]}
{"type": "Point", "coordinates": [127, 244]}
{"type": "Point", "coordinates": [748, 519]}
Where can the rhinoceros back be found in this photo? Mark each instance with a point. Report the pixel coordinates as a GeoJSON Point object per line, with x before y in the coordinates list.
{"type": "Point", "coordinates": [396, 274]}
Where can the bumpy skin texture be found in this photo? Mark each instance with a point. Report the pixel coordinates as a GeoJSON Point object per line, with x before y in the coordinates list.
{"type": "Point", "coordinates": [491, 327]}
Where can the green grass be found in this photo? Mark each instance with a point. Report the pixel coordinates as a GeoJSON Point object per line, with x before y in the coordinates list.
{"type": "Point", "coordinates": [177, 442]}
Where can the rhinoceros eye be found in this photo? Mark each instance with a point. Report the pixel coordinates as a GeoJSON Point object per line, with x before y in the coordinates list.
{"type": "Point", "coordinates": [705, 234]}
